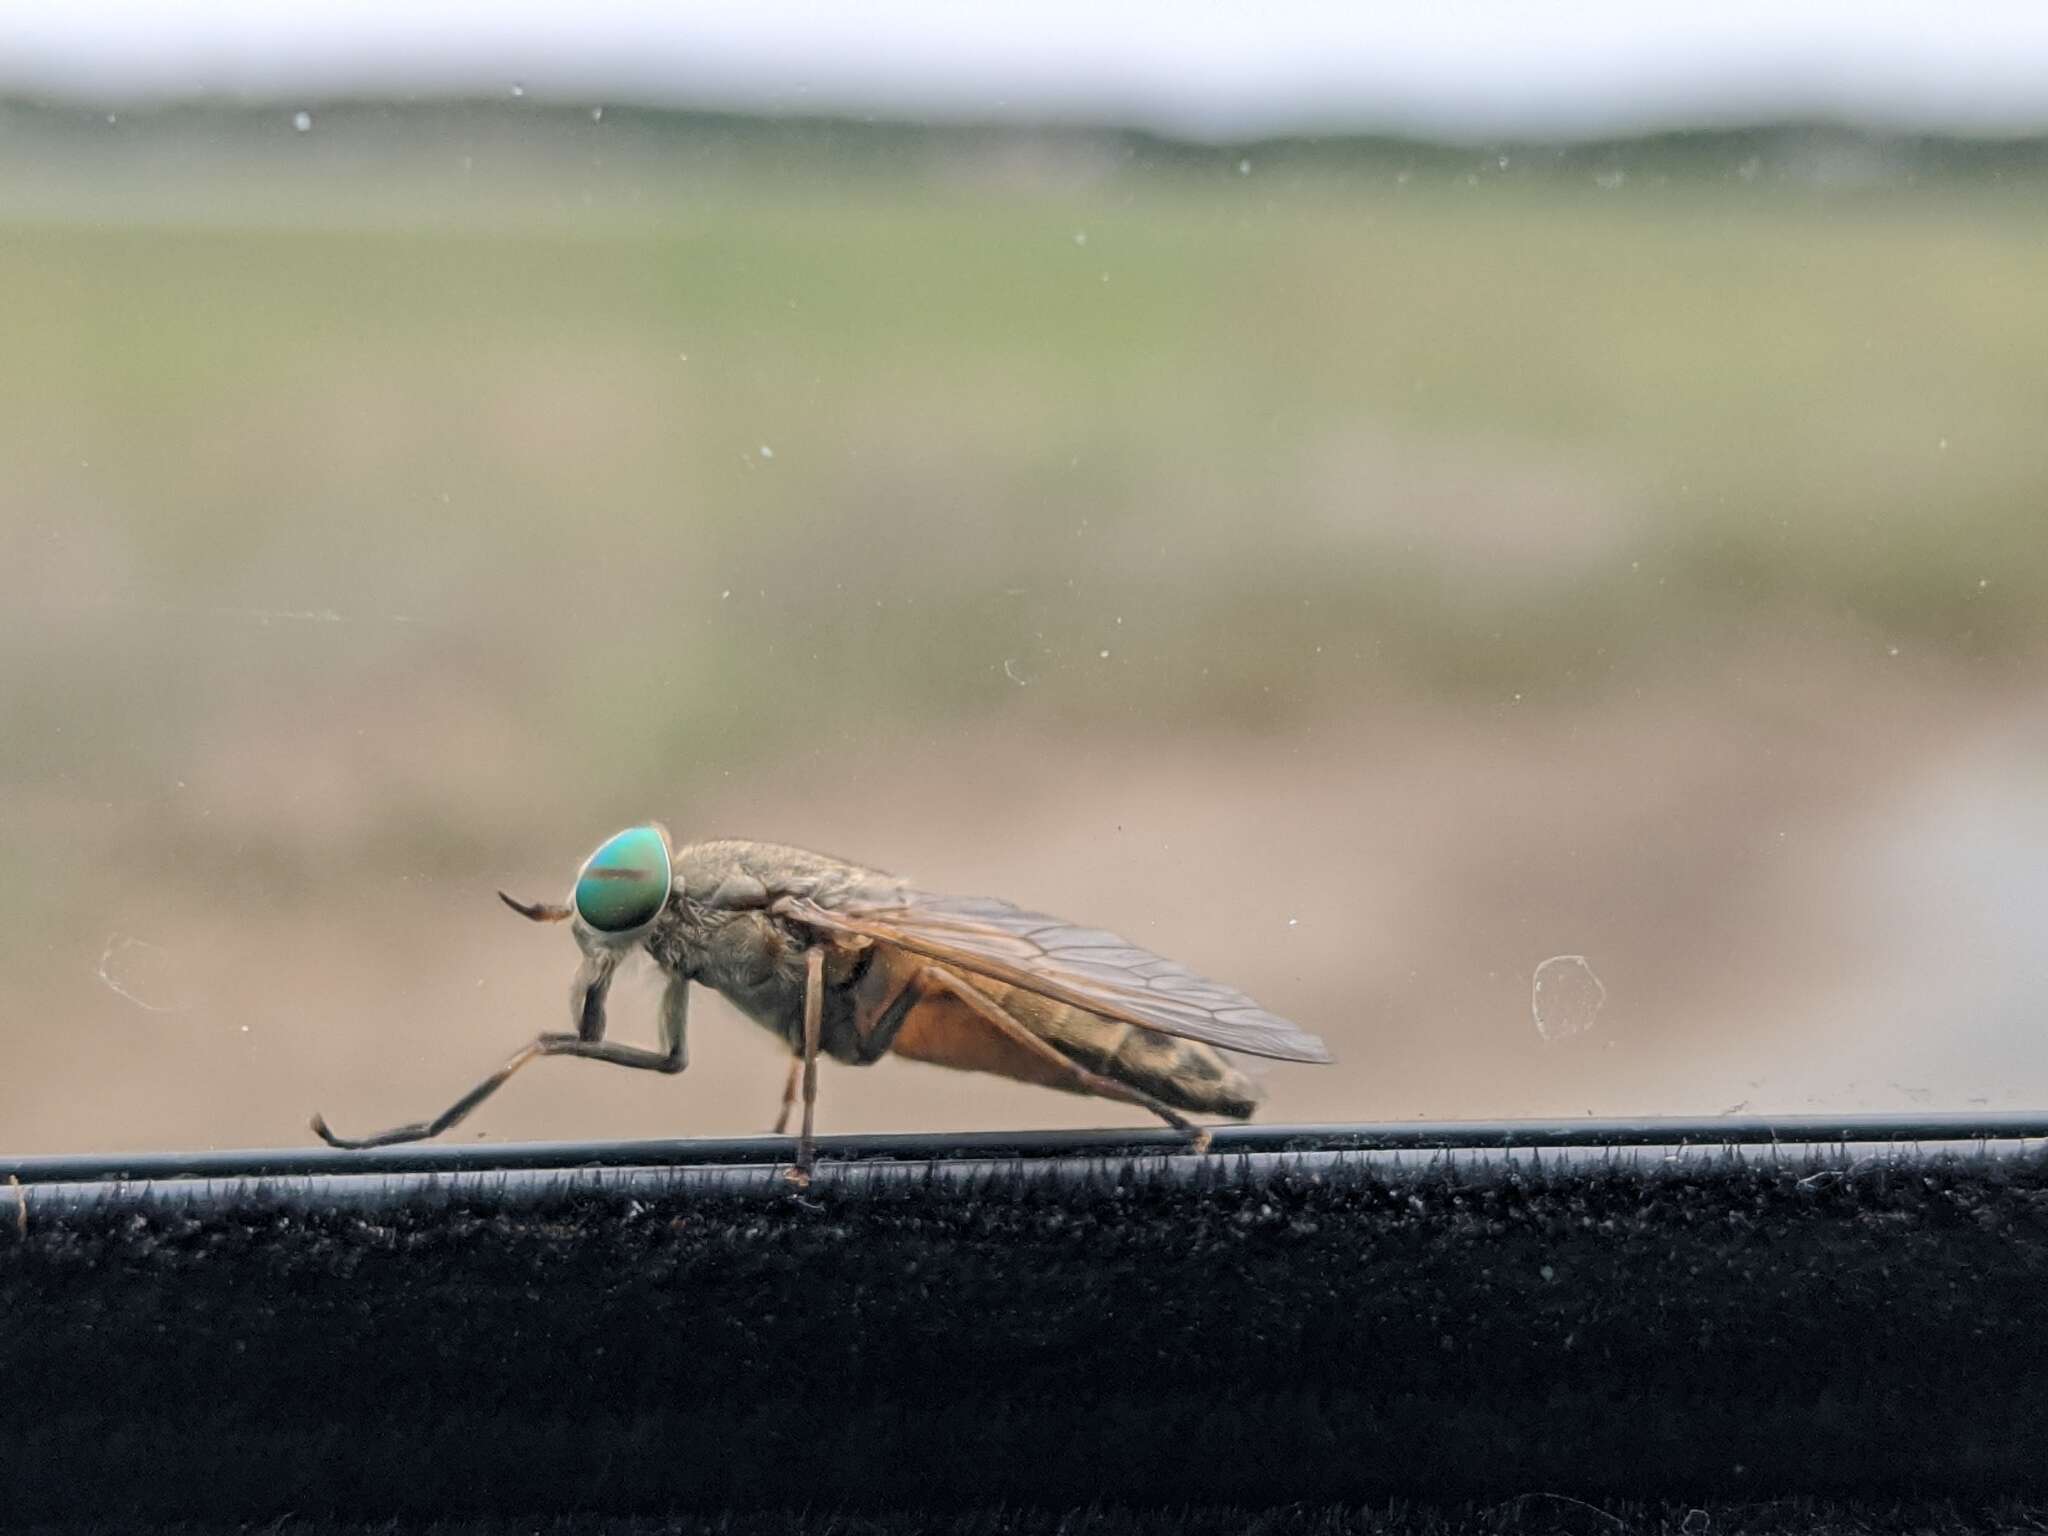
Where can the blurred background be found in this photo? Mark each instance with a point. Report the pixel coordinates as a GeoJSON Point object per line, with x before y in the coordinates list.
{"type": "Point", "coordinates": [1516, 537]}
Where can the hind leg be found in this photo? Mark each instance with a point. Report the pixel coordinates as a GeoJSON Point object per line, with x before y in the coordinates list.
{"type": "Point", "coordinates": [799, 1173]}
{"type": "Point", "coordinates": [1058, 1070]}
{"type": "Point", "coordinates": [796, 1070]}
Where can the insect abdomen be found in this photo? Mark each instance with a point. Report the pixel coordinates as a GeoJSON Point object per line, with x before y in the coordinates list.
{"type": "Point", "coordinates": [1182, 1073]}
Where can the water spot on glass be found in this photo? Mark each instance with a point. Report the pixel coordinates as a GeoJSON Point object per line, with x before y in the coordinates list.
{"type": "Point", "coordinates": [1244, 167]}
{"type": "Point", "coordinates": [145, 974]}
{"type": "Point", "coordinates": [1608, 181]}
{"type": "Point", "coordinates": [767, 452]}
{"type": "Point", "coordinates": [597, 114]}
{"type": "Point", "coordinates": [1080, 237]}
{"type": "Point", "coordinates": [1565, 997]}
{"type": "Point", "coordinates": [303, 121]}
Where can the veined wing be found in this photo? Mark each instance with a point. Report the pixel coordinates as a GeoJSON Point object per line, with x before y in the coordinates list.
{"type": "Point", "coordinates": [1083, 967]}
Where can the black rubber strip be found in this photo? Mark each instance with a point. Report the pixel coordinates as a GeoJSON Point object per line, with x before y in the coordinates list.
{"type": "Point", "coordinates": [1725, 1310]}
{"type": "Point", "coordinates": [517, 1189]}
{"type": "Point", "coordinates": [1007, 1146]}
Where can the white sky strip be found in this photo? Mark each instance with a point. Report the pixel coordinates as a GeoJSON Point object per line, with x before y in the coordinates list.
{"type": "Point", "coordinates": [1458, 67]}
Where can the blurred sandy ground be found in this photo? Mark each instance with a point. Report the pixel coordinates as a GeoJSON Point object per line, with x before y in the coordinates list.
{"type": "Point", "coordinates": [348, 581]}
{"type": "Point", "coordinates": [1798, 895]}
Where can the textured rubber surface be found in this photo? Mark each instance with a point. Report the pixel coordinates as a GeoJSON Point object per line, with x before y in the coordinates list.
{"type": "Point", "coordinates": [434, 1157]}
{"type": "Point", "coordinates": [1864, 1324]}
{"type": "Point", "coordinates": [1528, 1513]}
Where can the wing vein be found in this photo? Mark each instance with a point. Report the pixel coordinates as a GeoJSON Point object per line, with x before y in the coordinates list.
{"type": "Point", "coordinates": [1085, 968]}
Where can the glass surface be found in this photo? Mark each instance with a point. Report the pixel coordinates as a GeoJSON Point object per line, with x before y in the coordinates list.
{"type": "Point", "coordinates": [1563, 624]}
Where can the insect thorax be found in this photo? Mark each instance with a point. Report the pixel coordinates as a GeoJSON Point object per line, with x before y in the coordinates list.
{"type": "Point", "coordinates": [719, 932]}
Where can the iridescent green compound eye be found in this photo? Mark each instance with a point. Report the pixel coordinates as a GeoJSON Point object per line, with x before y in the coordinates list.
{"type": "Point", "coordinates": [625, 884]}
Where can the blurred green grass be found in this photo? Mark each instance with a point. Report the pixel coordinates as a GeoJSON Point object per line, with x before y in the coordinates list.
{"type": "Point", "coordinates": [599, 496]}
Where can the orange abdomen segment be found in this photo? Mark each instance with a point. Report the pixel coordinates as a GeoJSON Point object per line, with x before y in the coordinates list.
{"type": "Point", "coordinates": [932, 1025]}
{"type": "Point", "coordinates": [949, 1033]}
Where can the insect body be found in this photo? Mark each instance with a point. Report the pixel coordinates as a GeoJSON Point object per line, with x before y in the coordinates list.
{"type": "Point", "coordinates": [835, 958]}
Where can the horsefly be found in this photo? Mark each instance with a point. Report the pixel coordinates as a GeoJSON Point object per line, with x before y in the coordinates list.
{"type": "Point", "coordinates": [834, 957]}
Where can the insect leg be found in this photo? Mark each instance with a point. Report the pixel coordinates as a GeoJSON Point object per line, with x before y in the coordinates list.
{"type": "Point", "coordinates": [994, 1013]}
{"type": "Point", "coordinates": [814, 1013]}
{"type": "Point", "coordinates": [452, 1115]}
{"type": "Point", "coordinates": [796, 1068]}
{"type": "Point", "coordinates": [672, 1058]}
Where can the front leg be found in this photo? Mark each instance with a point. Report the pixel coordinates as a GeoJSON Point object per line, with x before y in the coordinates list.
{"type": "Point", "coordinates": [587, 1043]}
